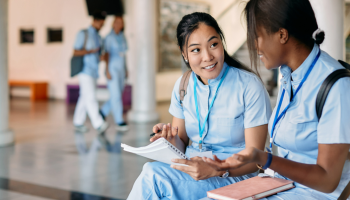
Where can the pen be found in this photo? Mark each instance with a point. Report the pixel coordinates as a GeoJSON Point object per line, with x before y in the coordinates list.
{"type": "Point", "coordinates": [153, 134]}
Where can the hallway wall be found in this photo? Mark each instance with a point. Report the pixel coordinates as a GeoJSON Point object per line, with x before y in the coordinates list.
{"type": "Point", "coordinates": [49, 62]}
{"type": "Point", "coordinates": [41, 60]}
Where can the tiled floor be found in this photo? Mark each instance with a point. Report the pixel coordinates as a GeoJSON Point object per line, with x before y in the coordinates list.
{"type": "Point", "coordinates": [50, 161]}
{"type": "Point", "coordinates": [47, 152]}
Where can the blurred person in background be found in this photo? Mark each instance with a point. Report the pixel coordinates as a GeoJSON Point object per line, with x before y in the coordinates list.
{"type": "Point", "coordinates": [115, 47]}
{"type": "Point", "coordinates": [87, 102]}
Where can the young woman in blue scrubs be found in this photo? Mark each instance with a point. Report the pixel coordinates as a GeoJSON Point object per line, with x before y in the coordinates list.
{"type": "Point", "coordinates": [312, 152]}
{"type": "Point", "coordinates": [226, 110]}
{"type": "Point", "coordinates": [115, 47]}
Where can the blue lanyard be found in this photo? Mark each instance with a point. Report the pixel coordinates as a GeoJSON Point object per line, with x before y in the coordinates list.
{"type": "Point", "coordinates": [277, 118]}
{"type": "Point", "coordinates": [201, 130]}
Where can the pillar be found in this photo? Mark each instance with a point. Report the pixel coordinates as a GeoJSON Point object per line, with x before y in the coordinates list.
{"type": "Point", "coordinates": [330, 18]}
{"type": "Point", "coordinates": [146, 55]}
{"type": "Point", "coordinates": [6, 136]}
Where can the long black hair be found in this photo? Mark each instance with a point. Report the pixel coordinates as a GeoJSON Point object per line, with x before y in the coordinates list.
{"type": "Point", "coordinates": [296, 16]}
{"type": "Point", "coordinates": [190, 23]}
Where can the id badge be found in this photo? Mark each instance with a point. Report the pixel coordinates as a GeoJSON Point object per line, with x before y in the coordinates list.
{"type": "Point", "coordinates": [270, 172]}
{"type": "Point", "coordinates": [208, 154]}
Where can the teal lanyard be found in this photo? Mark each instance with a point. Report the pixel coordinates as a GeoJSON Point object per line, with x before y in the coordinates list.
{"type": "Point", "coordinates": [278, 117]}
{"type": "Point", "coordinates": [201, 130]}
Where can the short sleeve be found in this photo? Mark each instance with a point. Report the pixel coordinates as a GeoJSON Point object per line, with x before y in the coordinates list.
{"type": "Point", "coordinates": [257, 104]}
{"type": "Point", "coordinates": [106, 45]}
{"type": "Point", "coordinates": [176, 109]}
{"type": "Point", "coordinates": [334, 125]}
{"type": "Point", "coordinates": [79, 41]}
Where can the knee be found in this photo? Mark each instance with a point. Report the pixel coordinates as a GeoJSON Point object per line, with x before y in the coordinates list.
{"type": "Point", "coordinates": [153, 168]}
{"type": "Point", "coordinates": [149, 167]}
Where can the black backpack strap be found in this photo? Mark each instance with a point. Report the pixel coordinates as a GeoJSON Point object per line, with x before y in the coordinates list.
{"type": "Point", "coordinates": [86, 38]}
{"type": "Point", "coordinates": [326, 87]}
{"type": "Point", "coordinates": [346, 65]}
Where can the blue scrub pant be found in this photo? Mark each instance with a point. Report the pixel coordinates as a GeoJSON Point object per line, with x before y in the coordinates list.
{"type": "Point", "coordinates": [159, 181]}
{"type": "Point", "coordinates": [115, 87]}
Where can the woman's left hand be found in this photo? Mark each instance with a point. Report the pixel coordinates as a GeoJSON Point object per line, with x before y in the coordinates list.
{"type": "Point", "coordinates": [248, 155]}
{"type": "Point", "coordinates": [197, 168]}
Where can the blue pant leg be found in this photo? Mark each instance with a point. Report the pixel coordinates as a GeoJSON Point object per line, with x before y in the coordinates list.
{"type": "Point", "coordinates": [115, 87]}
{"type": "Point", "coordinates": [298, 194]}
{"type": "Point", "coordinates": [159, 181]}
{"type": "Point", "coordinates": [106, 108]}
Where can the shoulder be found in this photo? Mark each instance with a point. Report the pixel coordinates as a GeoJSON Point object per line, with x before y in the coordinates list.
{"type": "Point", "coordinates": [328, 63]}
{"type": "Point", "coordinates": [81, 33]}
{"type": "Point", "coordinates": [178, 81]}
{"type": "Point", "coordinates": [245, 78]}
{"type": "Point", "coordinates": [109, 35]}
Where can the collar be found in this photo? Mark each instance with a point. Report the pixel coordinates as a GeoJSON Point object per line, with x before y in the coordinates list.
{"type": "Point", "coordinates": [92, 29]}
{"type": "Point", "coordinates": [217, 79]}
{"type": "Point", "coordinates": [300, 72]}
{"type": "Point", "coordinates": [113, 32]}
{"type": "Point", "coordinates": [211, 81]}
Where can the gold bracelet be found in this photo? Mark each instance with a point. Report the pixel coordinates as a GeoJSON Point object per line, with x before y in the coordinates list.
{"type": "Point", "coordinates": [259, 166]}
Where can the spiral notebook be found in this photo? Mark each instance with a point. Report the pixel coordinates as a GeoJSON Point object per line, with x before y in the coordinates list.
{"type": "Point", "coordinates": [160, 150]}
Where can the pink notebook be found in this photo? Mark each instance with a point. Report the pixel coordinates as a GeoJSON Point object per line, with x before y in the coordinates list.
{"type": "Point", "coordinates": [253, 188]}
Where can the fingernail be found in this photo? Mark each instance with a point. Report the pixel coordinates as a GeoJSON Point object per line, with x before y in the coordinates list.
{"type": "Point", "coordinates": [173, 160]}
{"type": "Point", "coordinates": [172, 166]}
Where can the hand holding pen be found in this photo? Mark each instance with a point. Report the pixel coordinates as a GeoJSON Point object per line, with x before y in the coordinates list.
{"type": "Point", "coordinates": [163, 130]}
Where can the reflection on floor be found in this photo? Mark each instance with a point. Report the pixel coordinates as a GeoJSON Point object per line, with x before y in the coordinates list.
{"type": "Point", "coordinates": [50, 161]}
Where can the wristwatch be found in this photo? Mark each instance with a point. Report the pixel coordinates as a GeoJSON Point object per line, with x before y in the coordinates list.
{"type": "Point", "coordinates": [225, 175]}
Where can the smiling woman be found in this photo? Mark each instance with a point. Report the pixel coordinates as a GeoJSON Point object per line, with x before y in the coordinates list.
{"type": "Point", "coordinates": [313, 150]}
{"type": "Point", "coordinates": [226, 110]}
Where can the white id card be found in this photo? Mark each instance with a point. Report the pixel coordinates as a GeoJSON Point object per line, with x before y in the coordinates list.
{"type": "Point", "coordinates": [270, 172]}
{"type": "Point", "coordinates": [208, 154]}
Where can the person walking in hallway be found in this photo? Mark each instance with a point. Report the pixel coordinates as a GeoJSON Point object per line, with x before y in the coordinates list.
{"type": "Point", "coordinates": [88, 44]}
{"type": "Point", "coordinates": [115, 47]}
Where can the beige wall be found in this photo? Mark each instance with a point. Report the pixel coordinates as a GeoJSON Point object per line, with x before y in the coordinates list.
{"type": "Point", "coordinates": [50, 62]}
{"type": "Point", "coordinates": [41, 60]}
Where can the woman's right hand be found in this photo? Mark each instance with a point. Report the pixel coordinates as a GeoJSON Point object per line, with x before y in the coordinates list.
{"type": "Point", "coordinates": [166, 131]}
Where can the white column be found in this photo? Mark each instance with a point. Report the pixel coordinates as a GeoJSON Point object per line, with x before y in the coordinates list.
{"type": "Point", "coordinates": [6, 136]}
{"type": "Point", "coordinates": [145, 35]}
{"type": "Point", "coordinates": [330, 17]}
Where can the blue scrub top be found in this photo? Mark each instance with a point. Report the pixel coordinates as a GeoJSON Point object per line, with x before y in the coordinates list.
{"type": "Point", "coordinates": [299, 132]}
{"type": "Point", "coordinates": [91, 60]}
{"type": "Point", "coordinates": [242, 102]}
{"type": "Point", "coordinates": [116, 46]}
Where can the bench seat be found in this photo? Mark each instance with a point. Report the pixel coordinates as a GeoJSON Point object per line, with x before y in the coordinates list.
{"type": "Point", "coordinates": [38, 89]}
